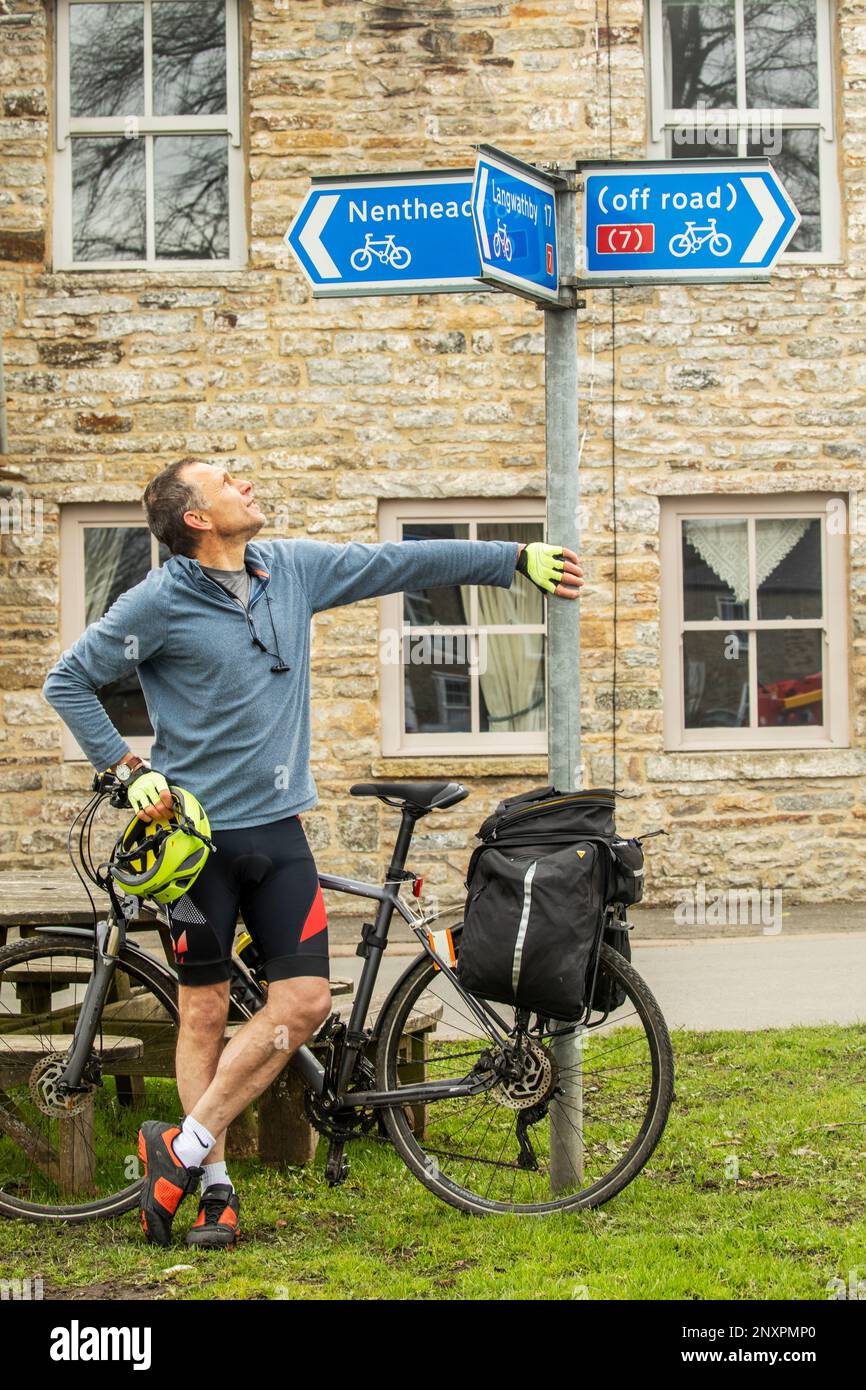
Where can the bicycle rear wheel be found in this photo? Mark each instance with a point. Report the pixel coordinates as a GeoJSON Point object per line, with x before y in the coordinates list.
{"type": "Point", "coordinates": [72, 1160]}
{"type": "Point", "coordinates": [572, 1124]}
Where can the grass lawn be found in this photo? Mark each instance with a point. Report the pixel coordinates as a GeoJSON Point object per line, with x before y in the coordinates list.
{"type": "Point", "coordinates": [755, 1191]}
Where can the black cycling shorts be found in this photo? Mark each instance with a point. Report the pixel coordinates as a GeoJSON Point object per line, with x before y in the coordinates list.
{"type": "Point", "coordinates": [268, 873]}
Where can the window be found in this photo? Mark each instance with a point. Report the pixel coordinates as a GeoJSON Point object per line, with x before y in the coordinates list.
{"type": "Point", "coordinates": [105, 550]}
{"type": "Point", "coordinates": [752, 77]}
{"type": "Point", "coordinates": [463, 668]}
{"type": "Point", "coordinates": [149, 162]}
{"type": "Point", "coordinates": [754, 612]}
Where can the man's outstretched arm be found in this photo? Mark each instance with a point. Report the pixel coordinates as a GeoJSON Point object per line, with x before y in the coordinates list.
{"type": "Point", "coordinates": [333, 575]}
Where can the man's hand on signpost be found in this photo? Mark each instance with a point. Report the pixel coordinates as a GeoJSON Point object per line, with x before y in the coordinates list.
{"type": "Point", "coordinates": [554, 569]}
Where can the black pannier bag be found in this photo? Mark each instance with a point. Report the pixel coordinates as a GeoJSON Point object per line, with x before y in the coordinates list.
{"type": "Point", "coordinates": [608, 995]}
{"type": "Point", "coordinates": [537, 890]}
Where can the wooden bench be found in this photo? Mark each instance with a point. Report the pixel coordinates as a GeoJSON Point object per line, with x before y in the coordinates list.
{"type": "Point", "coordinates": [72, 1163]}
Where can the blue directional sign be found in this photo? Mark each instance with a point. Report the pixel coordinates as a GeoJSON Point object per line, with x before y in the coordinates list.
{"type": "Point", "coordinates": [514, 208]}
{"type": "Point", "coordinates": [671, 222]}
{"type": "Point", "coordinates": [388, 234]}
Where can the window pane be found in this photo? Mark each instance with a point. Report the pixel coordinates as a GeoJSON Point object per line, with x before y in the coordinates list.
{"type": "Point", "coordinates": [700, 57]}
{"type": "Point", "coordinates": [191, 197]}
{"type": "Point", "coordinates": [107, 199]}
{"type": "Point", "coordinates": [715, 570]}
{"type": "Point", "coordinates": [790, 684]}
{"type": "Point", "coordinates": [788, 557]}
{"type": "Point", "coordinates": [189, 57]}
{"type": "Point", "coordinates": [441, 605]}
{"type": "Point", "coordinates": [436, 693]}
{"type": "Point", "coordinates": [700, 142]}
{"type": "Point", "coordinates": [106, 60]}
{"type": "Point", "coordinates": [522, 603]}
{"type": "Point", "coordinates": [115, 559]}
{"type": "Point", "coordinates": [716, 679]}
{"type": "Point", "coordinates": [781, 53]}
{"type": "Point", "coordinates": [795, 155]}
{"type": "Point", "coordinates": [511, 682]}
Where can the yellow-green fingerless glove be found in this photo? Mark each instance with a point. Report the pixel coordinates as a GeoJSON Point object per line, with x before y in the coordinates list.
{"type": "Point", "coordinates": [543, 565]}
{"type": "Point", "coordinates": [144, 788]}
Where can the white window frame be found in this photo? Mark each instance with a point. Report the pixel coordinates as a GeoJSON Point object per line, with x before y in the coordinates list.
{"type": "Point", "coordinates": [74, 520]}
{"type": "Point", "coordinates": [146, 126]}
{"type": "Point", "coordinates": [395, 741]}
{"type": "Point", "coordinates": [835, 732]}
{"type": "Point", "coordinates": [664, 119]}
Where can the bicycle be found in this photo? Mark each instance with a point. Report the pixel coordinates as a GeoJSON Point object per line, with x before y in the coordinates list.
{"type": "Point", "coordinates": [500, 1111]}
{"type": "Point", "coordinates": [501, 243]}
{"type": "Point", "coordinates": [691, 240]}
{"type": "Point", "coordinates": [385, 251]}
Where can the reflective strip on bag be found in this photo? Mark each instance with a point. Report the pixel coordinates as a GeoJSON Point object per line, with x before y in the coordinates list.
{"type": "Point", "coordinates": [442, 942]}
{"type": "Point", "coordinates": [524, 924]}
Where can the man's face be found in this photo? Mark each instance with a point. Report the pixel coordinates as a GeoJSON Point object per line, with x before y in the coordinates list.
{"type": "Point", "coordinates": [230, 511]}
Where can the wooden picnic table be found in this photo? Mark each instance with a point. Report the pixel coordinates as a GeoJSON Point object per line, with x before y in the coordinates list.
{"type": "Point", "coordinates": [275, 1127]}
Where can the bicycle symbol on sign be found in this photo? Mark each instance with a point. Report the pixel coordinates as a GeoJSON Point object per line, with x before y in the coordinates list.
{"type": "Point", "coordinates": [501, 244]}
{"type": "Point", "coordinates": [694, 237]}
{"type": "Point", "coordinates": [385, 251]}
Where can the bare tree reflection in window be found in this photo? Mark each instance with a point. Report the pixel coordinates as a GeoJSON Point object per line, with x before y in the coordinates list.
{"type": "Point", "coordinates": [189, 57]}
{"type": "Point", "coordinates": [107, 198]}
{"type": "Point", "coordinates": [703, 63]}
{"type": "Point", "coordinates": [106, 60]}
{"type": "Point", "coordinates": [191, 197]}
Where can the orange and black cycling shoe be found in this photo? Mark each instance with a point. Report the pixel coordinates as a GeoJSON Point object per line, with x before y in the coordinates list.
{"type": "Point", "coordinates": [217, 1220]}
{"type": "Point", "coordinates": [166, 1179]}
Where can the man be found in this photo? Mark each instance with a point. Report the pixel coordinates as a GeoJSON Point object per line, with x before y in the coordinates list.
{"type": "Point", "coordinates": [220, 637]}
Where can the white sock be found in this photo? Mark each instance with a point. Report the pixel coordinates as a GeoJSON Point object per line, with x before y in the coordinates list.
{"type": "Point", "coordinates": [193, 1144]}
{"type": "Point", "coordinates": [215, 1173]}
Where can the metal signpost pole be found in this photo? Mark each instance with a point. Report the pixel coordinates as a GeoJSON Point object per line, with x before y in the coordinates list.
{"type": "Point", "coordinates": [563, 641]}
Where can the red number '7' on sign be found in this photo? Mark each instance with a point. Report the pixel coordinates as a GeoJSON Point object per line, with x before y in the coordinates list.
{"type": "Point", "coordinates": [625, 238]}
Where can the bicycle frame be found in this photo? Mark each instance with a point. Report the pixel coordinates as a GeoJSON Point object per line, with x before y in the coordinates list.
{"type": "Point", "coordinates": [111, 939]}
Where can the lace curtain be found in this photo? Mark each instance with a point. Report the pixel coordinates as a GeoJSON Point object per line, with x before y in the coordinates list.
{"type": "Point", "coordinates": [722, 546]}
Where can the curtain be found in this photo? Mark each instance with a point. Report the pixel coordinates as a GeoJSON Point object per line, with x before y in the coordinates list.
{"type": "Point", "coordinates": [721, 546]}
{"type": "Point", "coordinates": [513, 684]}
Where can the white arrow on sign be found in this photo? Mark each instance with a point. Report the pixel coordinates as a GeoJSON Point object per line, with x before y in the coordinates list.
{"type": "Point", "coordinates": [311, 237]}
{"type": "Point", "coordinates": [479, 211]}
{"type": "Point", "coordinates": [771, 220]}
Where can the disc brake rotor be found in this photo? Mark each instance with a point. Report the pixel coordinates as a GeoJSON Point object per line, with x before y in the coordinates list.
{"type": "Point", "coordinates": [43, 1089]}
{"type": "Point", "coordinates": [536, 1082]}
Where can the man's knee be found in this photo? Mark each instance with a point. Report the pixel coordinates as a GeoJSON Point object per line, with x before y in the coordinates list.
{"type": "Point", "coordinates": [204, 1007]}
{"type": "Point", "coordinates": [303, 1003]}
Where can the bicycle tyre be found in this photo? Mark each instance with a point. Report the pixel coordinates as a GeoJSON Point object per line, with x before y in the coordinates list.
{"type": "Point", "coordinates": [138, 968]}
{"type": "Point", "coordinates": [400, 1131]}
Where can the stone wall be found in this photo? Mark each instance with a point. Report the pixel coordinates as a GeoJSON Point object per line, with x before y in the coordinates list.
{"type": "Point", "coordinates": [335, 405]}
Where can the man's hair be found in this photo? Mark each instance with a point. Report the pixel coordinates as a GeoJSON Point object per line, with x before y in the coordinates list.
{"type": "Point", "coordinates": [166, 498]}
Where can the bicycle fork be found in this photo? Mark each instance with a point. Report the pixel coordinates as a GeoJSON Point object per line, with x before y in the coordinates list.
{"type": "Point", "coordinates": [109, 940]}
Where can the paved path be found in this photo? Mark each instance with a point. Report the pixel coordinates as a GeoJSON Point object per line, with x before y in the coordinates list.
{"type": "Point", "coordinates": [750, 982]}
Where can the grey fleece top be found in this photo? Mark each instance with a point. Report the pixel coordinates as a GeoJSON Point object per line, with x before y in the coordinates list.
{"type": "Point", "coordinates": [226, 727]}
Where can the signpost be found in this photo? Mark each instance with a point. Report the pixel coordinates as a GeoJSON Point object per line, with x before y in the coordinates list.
{"type": "Point", "coordinates": [514, 210]}
{"type": "Point", "coordinates": [392, 234]}
{"type": "Point", "coordinates": [669, 222]}
{"type": "Point", "coordinates": [674, 222]}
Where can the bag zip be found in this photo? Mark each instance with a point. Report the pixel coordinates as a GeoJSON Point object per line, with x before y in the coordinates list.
{"type": "Point", "coordinates": [545, 807]}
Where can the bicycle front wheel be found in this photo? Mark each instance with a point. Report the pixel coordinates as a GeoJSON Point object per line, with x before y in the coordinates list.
{"type": "Point", "coordinates": [74, 1158]}
{"type": "Point", "coordinates": [574, 1118]}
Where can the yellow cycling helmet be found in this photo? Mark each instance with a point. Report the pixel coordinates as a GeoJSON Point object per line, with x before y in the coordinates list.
{"type": "Point", "coordinates": [162, 859]}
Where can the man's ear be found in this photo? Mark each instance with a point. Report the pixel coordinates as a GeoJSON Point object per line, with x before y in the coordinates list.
{"type": "Point", "coordinates": [195, 522]}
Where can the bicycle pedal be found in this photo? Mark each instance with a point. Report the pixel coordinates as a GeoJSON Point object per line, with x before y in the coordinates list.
{"type": "Point", "coordinates": [337, 1167]}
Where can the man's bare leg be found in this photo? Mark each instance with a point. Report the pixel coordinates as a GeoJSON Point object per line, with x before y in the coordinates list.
{"type": "Point", "coordinates": [260, 1049]}
{"type": "Point", "coordinates": [203, 1012]}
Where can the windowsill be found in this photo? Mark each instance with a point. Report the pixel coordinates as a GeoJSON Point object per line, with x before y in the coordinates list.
{"type": "Point", "coordinates": [503, 765]}
{"type": "Point", "coordinates": [760, 765]}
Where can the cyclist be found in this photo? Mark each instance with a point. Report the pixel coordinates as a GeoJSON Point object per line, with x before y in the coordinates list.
{"type": "Point", "coordinates": [220, 638]}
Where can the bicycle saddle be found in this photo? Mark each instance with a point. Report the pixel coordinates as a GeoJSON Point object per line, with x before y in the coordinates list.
{"type": "Point", "coordinates": [424, 796]}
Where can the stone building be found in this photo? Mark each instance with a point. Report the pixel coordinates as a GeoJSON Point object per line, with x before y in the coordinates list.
{"type": "Point", "coordinates": [154, 154]}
